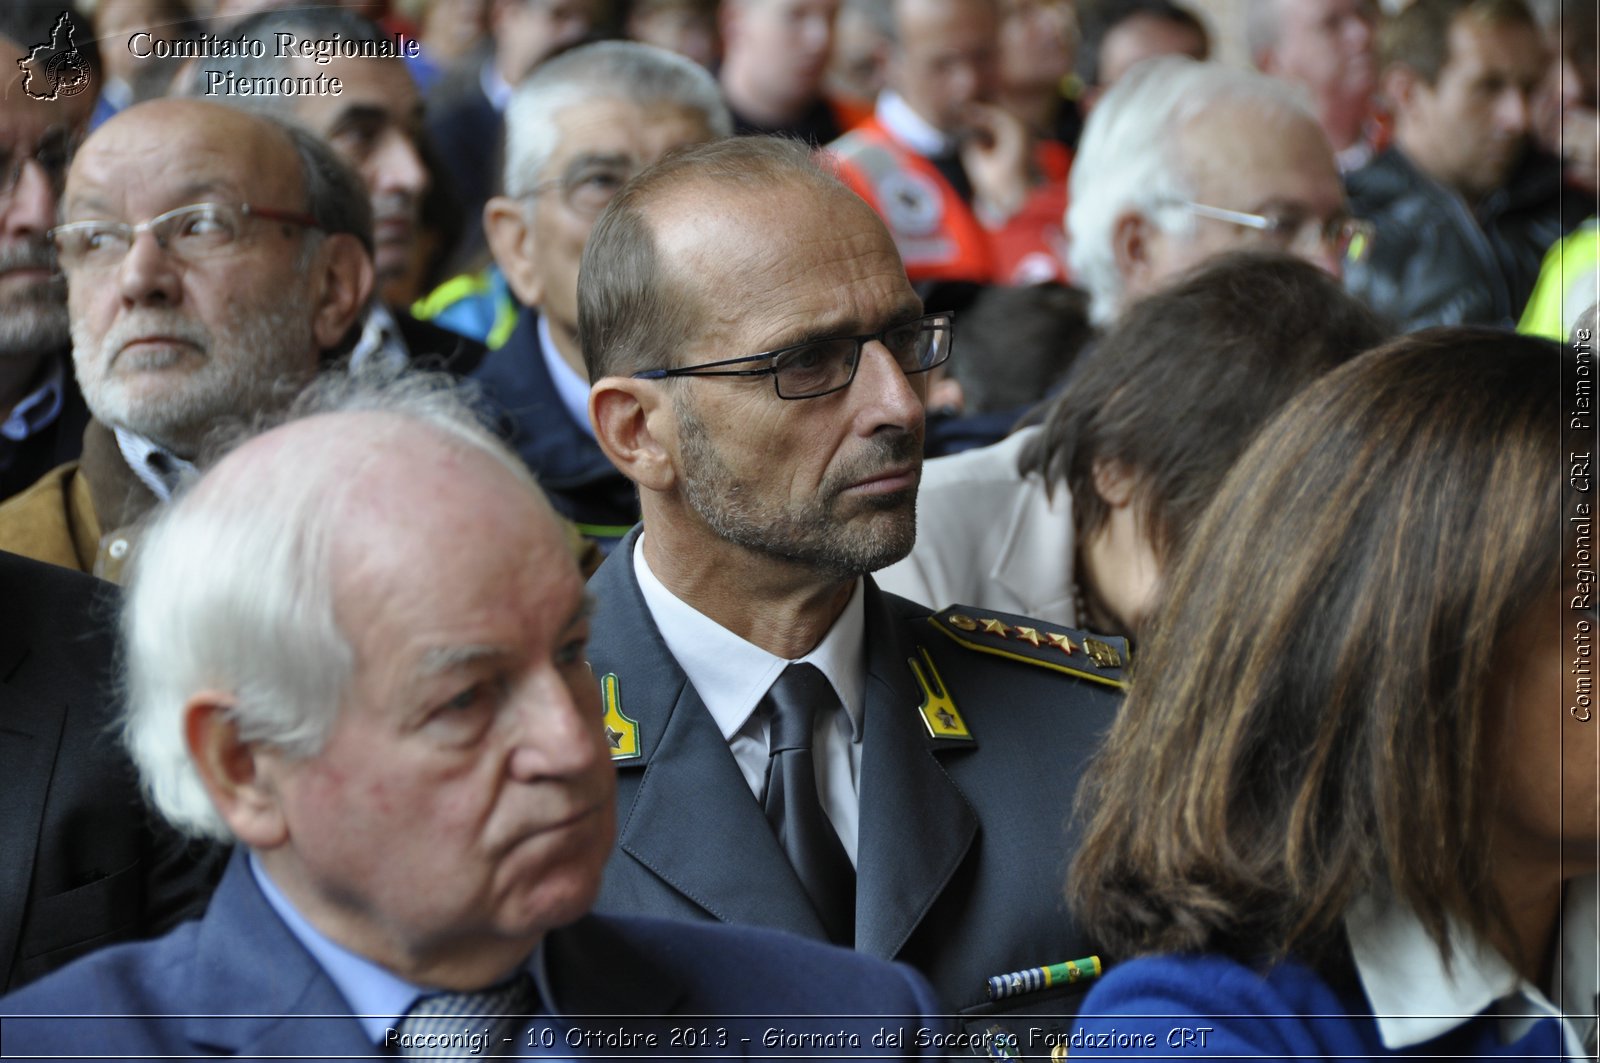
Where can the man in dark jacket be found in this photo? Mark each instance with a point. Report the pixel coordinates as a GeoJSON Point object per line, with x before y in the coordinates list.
{"type": "Point", "coordinates": [577, 130]}
{"type": "Point", "coordinates": [1465, 207]}
{"type": "Point", "coordinates": [84, 863]}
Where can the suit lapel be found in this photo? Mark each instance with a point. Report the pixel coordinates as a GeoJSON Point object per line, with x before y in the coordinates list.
{"type": "Point", "coordinates": [30, 732]}
{"type": "Point", "coordinates": [905, 792]}
{"type": "Point", "coordinates": [695, 824]}
{"type": "Point", "coordinates": [691, 819]}
{"type": "Point", "coordinates": [256, 990]}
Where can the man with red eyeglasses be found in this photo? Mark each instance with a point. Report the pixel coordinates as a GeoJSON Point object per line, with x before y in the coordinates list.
{"type": "Point", "coordinates": [41, 412]}
{"type": "Point", "coordinates": [211, 258]}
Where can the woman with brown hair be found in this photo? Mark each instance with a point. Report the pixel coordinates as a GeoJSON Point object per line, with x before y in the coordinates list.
{"type": "Point", "coordinates": [1347, 791]}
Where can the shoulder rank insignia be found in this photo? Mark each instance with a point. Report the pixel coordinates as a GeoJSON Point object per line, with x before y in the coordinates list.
{"type": "Point", "coordinates": [1097, 658]}
{"type": "Point", "coordinates": [938, 709]}
{"type": "Point", "coordinates": [622, 733]}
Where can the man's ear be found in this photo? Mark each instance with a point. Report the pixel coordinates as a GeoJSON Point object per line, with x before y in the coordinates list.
{"type": "Point", "coordinates": [1113, 482]}
{"type": "Point", "coordinates": [635, 426]}
{"type": "Point", "coordinates": [347, 279]}
{"type": "Point", "coordinates": [1401, 87]}
{"type": "Point", "coordinates": [509, 231]}
{"type": "Point", "coordinates": [1131, 236]}
{"type": "Point", "coordinates": [234, 772]}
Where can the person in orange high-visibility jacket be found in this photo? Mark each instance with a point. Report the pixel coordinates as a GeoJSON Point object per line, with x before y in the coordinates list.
{"type": "Point", "coordinates": [966, 192]}
{"type": "Point", "coordinates": [941, 236]}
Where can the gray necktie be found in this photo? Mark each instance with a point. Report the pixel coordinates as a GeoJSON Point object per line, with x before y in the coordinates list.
{"type": "Point", "coordinates": [794, 807]}
{"type": "Point", "coordinates": [443, 1023]}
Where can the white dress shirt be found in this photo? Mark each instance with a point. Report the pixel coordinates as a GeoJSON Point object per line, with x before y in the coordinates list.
{"type": "Point", "coordinates": [732, 676]}
{"type": "Point", "coordinates": [380, 341]}
{"type": "Point", "coordinates": [157, 467]}
{"type": "Point", "coordinates": [1415, 999]}
{"type": "Point", "coordinates": [909, 127]}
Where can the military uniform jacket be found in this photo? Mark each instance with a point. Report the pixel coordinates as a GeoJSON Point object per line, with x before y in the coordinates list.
{"type": "Point", "coordinates": [964, 837]}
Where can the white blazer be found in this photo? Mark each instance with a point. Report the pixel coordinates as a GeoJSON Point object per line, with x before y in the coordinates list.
{"type": "Point", "coordinates": [986, 536]}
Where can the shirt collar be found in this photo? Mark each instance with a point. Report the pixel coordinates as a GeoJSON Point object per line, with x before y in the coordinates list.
{"type": "Point", "coordinates": [1357, 155]}
{"type": "Point", "coordinates": [909, 127]}
{"type": "Point", "coordinates": [157, 467]}
{"type": "Point", "coordinates": [572, 388]}
{"type": "Point", "coordinates": [732, 675]}
{"type": "Point", "coordinates": [39, 408]}
{"type": "Point", "coordinates": [496, 88]}
{"type": "Point", "coordinates": [380, 339]}
{"type": "Point", "coordinates": [377, 996]}
{"type": "Point", "coordinates": [1415, 999]}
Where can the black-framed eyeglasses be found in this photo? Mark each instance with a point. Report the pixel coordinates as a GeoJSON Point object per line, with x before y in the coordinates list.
{"type": "Point", "coordinates": [821, 367]}
{"type": "Point", "coordinates": [51, 155]}
{"type": "Point", "coordinates": [191, 233]}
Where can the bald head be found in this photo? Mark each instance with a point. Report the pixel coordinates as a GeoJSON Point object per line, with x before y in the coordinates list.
{"type": "Point", "coordinates": [633, 310]}
{"type": "Point", "coordinates": [260, 146]}
{"type": "Point", "coordinates": [371, 470]}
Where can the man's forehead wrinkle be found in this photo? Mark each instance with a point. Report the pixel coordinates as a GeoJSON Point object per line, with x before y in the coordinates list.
{"type": "Point", "coordinates": [435, 660]}
{"type": "Point", "coordinates": [218, 145]}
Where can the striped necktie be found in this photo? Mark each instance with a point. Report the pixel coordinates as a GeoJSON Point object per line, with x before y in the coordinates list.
{"type": "Point", "coordinates": [441, 1026]}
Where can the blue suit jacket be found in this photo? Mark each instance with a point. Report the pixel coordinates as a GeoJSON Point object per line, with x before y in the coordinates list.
{"type": "Point", "coordinates": [963, 843]}
{"type": "Point", "coordinates": [238, 983]}
{"type": "Point", "coordinates": [1212, 1007]}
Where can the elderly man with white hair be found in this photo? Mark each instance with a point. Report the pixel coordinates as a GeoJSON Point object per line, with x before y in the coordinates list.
{"type": "Point", "coordinates": [576, 131]}
{"type": "Point", "coordinates": [1182, 160]}
{"type": "Point", "coordinates": [405, 740]}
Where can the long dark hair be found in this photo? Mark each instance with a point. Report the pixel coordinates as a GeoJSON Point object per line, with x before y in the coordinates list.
{"type": "Point", "coordinates": [1187, 377]}
{"type": "Point", "coordinates": [1307, 721]}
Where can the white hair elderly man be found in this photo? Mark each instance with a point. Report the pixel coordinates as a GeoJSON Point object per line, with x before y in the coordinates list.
{"type": "Point", "coordinates": [1182, 160]}
{"type": "Point", "coordinates": [576, 131]}
{"type": "Point", "coordinates": [405, 740]}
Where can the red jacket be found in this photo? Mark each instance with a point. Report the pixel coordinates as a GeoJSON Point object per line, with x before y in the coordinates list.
{"type": "Point", "coordinates": [938, 234]}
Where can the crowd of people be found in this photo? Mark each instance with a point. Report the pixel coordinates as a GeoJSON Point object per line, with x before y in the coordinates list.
{"type": "Point", "coordinates": [798, 527]}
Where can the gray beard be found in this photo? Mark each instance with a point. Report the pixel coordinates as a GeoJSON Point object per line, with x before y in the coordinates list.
{"type": "Point", "coordinates": [34, 320]}
{"type": "Point", "coordinates": [813, 536]}
{"type": "Point", "coordinates": [230, 386]}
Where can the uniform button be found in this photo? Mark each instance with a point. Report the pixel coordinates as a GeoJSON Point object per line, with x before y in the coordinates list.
{"type": "Point", "coordinates": [118, 549]}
